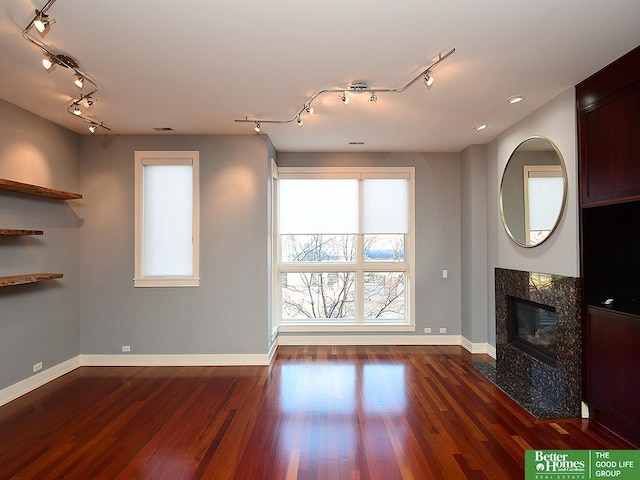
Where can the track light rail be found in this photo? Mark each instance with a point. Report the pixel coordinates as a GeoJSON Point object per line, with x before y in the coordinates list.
{"type": "Point", "coordinates": [356, 87]}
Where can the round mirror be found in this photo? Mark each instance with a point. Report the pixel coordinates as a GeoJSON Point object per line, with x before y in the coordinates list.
{"type": "Point", "coordinates": [533, 191]}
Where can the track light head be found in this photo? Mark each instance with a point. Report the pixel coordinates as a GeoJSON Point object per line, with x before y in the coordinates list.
{"type": "Point", "coordinates": [88, 102]}
{"type": "Point", "coordinates": [299, 121]}
{"type": "Point", "coordinates": [79, 81]}
{"type": "Point", "coordinates": [428, 79]}
{"type": "Point", "coordinates": [308, 108]}
{"type": "Point", "coordinates": [93, 129]}
{"type": "Point", "coordinates": [257, 129]}
{"type": "Point", "coordinates": [48, 62]}
{"type": "Point", "coordinates": [42, 21]}
{"type": "Point", "coordinates": [373, 97]}
{"type": "Point", "coordinates": [344, 98]}
{"type": "Point", "coordinates": [76, 109]}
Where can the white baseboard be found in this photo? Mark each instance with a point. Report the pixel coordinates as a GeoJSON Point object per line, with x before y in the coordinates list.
{"type": "Point", "coordinates": [584, 410]}
{"type": "Point", "coordinates": [28, 384]}
{"type": "Point", "coordinates": [368, 339]}
{"type": "Point", "coordinates": [273, 349]}
{"type": "Point", "coordinates": [180, 360]}
{"type": "Point", "coordinates": [478, 347]}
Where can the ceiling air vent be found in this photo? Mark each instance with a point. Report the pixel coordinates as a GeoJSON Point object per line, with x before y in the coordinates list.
{"type": "Point", "coordinates": [356, 143]}
{"type": "Point", "coordinates": [163, 129]}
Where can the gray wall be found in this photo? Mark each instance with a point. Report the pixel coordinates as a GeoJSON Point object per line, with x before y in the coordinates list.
{"type": "Point", "coordinates": [560, 253]}
{"type": "Point", "coordinates": [473, 229]}
{"type": "Point", "coordinates": [38, 322]}
{"type": "Point", "coordinates": [228, 313]}
{"type": "Point", "coordinates": [437, 226]}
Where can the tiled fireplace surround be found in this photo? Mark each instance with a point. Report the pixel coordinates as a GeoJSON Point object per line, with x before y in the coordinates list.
{"type": "Point", "coordinates": [545, 391]}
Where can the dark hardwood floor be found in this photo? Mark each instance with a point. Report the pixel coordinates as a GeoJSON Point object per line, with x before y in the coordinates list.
{"type": "Point", "coordinates": [315, 413]}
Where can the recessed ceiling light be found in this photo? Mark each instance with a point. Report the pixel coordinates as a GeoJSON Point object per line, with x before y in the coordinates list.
{"type": "Point", "coordinates": [515, 99]}
{"type": "Point", "coordinates": [479, 127]}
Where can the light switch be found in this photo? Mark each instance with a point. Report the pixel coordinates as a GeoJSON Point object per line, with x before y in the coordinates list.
{"type": "Point", "coordinates": [445, 273]}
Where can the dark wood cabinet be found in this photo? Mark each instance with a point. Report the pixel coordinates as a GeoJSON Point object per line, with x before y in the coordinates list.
{"type": "Point", "coordinates": [614, 389]}
{"type": "Point", "coordinates": [609, 152]}
{"type": "Point", "coordinates": [608, 132]}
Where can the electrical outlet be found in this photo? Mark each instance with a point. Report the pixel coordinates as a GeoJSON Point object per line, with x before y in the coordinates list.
{"type": "Point", "coordinates": [443, 330]}
{"type": "Point", "coordinates": [126, 348]}
{"type": "Point", "coordinates": [37, 366]}
{"type": "Point", "coordinates": [427, 330]}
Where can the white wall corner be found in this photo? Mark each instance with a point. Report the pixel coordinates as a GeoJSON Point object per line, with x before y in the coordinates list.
{"type": "Point", "coordinates": [491, 351]}
{"type": "Point", "coordinates": [29, 384]}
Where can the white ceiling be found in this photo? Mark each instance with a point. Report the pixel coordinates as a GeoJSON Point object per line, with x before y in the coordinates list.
{"type": "Point", "coordinates": [196, 66]}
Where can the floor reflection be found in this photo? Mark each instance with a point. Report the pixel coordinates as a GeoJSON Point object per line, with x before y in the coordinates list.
{"type": "Point", "coordinates": [332, 413]}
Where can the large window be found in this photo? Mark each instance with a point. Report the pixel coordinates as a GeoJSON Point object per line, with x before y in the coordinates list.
{"type": "Point", "coordinates": [345, 238]}
{"type": "Point", "coordinates": [166, 219]}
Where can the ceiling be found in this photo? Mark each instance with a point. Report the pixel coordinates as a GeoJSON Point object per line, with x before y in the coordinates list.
{"type": "Point", "coordinates": [196, 66]}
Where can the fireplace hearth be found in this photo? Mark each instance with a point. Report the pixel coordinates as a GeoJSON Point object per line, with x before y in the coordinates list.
{"type": "Point", "coordinates": [539, 356]}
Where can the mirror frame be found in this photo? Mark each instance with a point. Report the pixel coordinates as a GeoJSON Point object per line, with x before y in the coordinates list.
{"type": "Point", "coordinates": [564, 191]}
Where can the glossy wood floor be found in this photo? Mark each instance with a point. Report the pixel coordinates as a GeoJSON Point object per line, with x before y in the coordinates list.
{"type": "Point", "coordinates": [315, 413]}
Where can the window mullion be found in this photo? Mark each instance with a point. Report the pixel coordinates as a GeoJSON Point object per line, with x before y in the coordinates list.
{"type": "Point", "coordinates": [360, 258]}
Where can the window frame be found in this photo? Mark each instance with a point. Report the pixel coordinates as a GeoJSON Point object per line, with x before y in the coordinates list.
{"type": "Point", "coordinates": [142, 159]}
{"type": "Point", "coordinates": [361, 266]}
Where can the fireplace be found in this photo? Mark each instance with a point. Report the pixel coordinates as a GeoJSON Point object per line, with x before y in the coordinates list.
{"type": "Point", "coordinates": [532, 328]}
{"type": "Point", "coordinates": [539, 356]}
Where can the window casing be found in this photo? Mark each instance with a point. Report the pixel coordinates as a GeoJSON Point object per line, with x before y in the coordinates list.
{"type": "Point", "coordinates": [167, 219]}
{"type": "Point", "coordinates": [345, 249]}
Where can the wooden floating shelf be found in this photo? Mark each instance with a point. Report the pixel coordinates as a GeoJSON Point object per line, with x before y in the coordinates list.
{"type": "Point", "coordinates": [14, 233]}
{"type": "Point", "coordinates": [28, 278]}
{"type": "Point", "coordinates": [26, 188]}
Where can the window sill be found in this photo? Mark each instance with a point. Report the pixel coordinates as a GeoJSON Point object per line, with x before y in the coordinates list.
{"type": "Point", "coordinates": [345, 327]}
{"type": "Point", "coordinates": [166, 282]}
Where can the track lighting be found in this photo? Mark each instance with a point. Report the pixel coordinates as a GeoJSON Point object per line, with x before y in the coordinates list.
{"type": "Point", "coordinates": [354, 88]}
{"type": "Point", "coordinates": [42, 21]}
{"type": "Point", "coordinates": [83, 81]}
{"type": "Point", "coordinates": [428, 79]}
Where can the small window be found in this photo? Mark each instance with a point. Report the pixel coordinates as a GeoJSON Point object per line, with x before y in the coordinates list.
{"type": "Point", "coordinates": [166, 219]}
